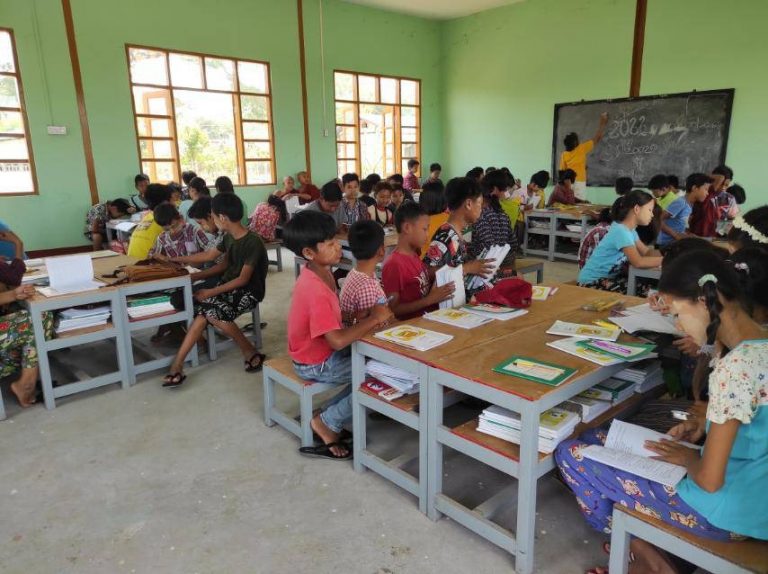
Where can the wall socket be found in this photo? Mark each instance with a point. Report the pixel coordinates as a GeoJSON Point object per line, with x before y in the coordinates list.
{"type": "Point", "coordinates": [57, 130]}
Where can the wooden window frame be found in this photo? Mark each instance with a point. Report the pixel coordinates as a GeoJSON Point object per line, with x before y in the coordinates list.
{"type": "Point", "coordinates": [239, 122]}
{"type": "Point", "coordinates": [22, 109]}
{"type": "Point", "coordinates": [397, 105]}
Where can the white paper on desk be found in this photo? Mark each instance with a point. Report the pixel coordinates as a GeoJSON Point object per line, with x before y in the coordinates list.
{"type": "Point", "coordinates": [34, 262]}
{"type": "Point", "coordinates": [103, 253]}
{"type": "Point", "coordinates": [70, 274]}
{"type": "Point", "coordinates": [643, 318]}
{"type": "Point", "coordinates": [292, 204]}
{"type": "Point", "coordinates": [447, 274]}
{"type": "Point", "coordinates": [126, 226]}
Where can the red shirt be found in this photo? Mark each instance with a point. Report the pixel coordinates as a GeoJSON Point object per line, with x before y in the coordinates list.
{"type": "Point", "coordinates": [703, 221]}
{"type": "Point", "coordinates": [311, 190]}
{"type": "Point", "coordinates": [410, 181]}
{"type": "Point", "coordinates": [314, 312]}
{"type": "Point", "coordinates": [562, 195]}
{"type": "Point", "coordinates": [408, 276]}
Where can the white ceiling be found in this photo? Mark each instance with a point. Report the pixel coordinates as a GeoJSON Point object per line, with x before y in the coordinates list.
{"type": "Point", "coordinates": [439, 9]}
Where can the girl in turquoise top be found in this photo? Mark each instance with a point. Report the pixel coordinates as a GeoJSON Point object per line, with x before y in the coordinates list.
{"type": "Point", "coordinates": [721, 498]}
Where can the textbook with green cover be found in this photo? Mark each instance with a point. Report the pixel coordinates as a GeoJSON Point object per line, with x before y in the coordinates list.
{"type": "Point", "coordinates": [535, 370]}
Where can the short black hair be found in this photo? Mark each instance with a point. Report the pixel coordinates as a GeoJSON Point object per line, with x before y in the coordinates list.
{"type": "Point", "coordinates": [165, 214]}
{"type": "Point", "coordinates": [228, 205]}
{"type": "Point", "coordinates": [564, 174]}
{"type": "Point", "coordinates": [156, 194]}
{"type": "Point", "coordinates": [349, 178]}
{"type": "Point", "coordinates": [738, 193]}
{"type": "Point", "coordinates": [723, 170]}
{"type": "Point", "coordinates": [365, 238]}
{"type": "Point", "coordinates": [121, 205]}
{"type": "Point", "coordinates": [396, 177]}
{"type": "Point", "coordinates": [224, 185]}
{"type": "Point", "coordinates": [495, 179]}
{"type": "Point", "coordinates": [658, 181]}
{"type": "Point", "coordinates": [489, 169]}
{"type": "Point", "coordinates": [373, 177]}
{"type": "Point", "coordinates": [624, 185]}
{"type": "Point", "coordinates": [140, 177]}
{"type": "Point", "coordinates": [696, 180]}
{"type": "Point", "coordinates": [475, 173]}
{"type": "Point", "coordinates": [435, 167]}
{"type": "Point", "coordinates": [413, 163]}
{"type": "Point", "coordinates": [306, 229]}
{"type": "Point", "coordinates": [366, 186]}
{"type": "Point", "coordinates": [674, 181]}
{"type": "Point", "coordinates": [201, 208]}
{"type": "Point", "coordinates": [199, 185]}
{"type": "Point", "coordinates": [382, 186]}
{"type": "Point", "coordinates": [570, 141]}
{"type": "Point", "coordinates": [459, 190]}
{"type": "Point", "coordinates": [432, 198]}
{"type": "Point", "coordinates": [408, 211]}
{"type": "Point", "coordinates": [541, 178]}
{"type": "Point", "coordinates": [187, 176]}
{"type": "Point", "coordinates": [331, 191]}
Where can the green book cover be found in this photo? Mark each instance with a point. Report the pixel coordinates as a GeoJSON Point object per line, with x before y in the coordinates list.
{"type": "Point", "coordinates": [149, 301]}
{"type": "Point", "coordinates": [535, 370]}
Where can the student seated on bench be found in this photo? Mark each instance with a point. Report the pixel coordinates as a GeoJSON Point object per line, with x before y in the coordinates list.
{"type": "Point", "coordinates": [147, 231]}
{"type": "Point", "coordinates": [243, 274]}
{"type": "Point", "coordinates": [317, 341]}
{"type": "Point", "coordinates": [97, 217]}
{"type": "Point", "coordinates": [722, 496]}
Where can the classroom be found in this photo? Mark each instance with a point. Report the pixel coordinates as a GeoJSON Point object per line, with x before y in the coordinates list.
{"type": "Point", "coordinates": [383, 287]}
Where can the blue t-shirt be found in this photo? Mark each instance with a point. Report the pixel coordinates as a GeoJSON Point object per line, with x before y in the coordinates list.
{"type": "Point", "coordinates": [7, 249]}
{"type": "Point", "coordinates": [679, 212]}
{"type": "Point", "coordinates": [738, 390]}
{"type": "Point", "coordinates": [608, 258]}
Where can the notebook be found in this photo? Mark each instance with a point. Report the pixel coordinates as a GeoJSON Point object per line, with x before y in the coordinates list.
{"type": "Point", "coordinates": [413, 337]}
{"type": "Point", "coordinates": [565, 329]}
{"type": "Point", "coordinates": [535, 370]}
{"type": "Point", "coordinates": [457, 318]}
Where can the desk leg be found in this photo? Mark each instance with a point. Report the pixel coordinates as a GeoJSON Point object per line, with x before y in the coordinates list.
{"type": "Point", "coordinates": [2, 408]}
{"type": "Point", "coordinates": [42, 356]}
{"type": "Point", "coordinates": [423, 442]}
{"type": "Point", "coordinates": [190, 309]}
{"type": "Point", "coordinates": [123, 339]}
{"type": "Point", "coordinates": [435, 400]}
{"type": "Point", "coordinates": [526, 494]}
{"type": "Point", "coordinates": [631, 282]}
{"type": "Point", "coordinates": [619, 560]}
{"type": "Point", "coordinates": [359, 412]}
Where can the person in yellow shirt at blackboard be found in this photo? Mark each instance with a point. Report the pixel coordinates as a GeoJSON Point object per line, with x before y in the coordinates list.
{"type": "Point", "coordinates": [575, 156]}
{"type": "Point", "coordinates": [145, 233]}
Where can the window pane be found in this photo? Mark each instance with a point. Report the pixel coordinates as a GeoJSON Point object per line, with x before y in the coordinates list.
{"type": "Point", "coordinates": [409, 92]}
{"type": "Point", "coordinates": [404, 165]}
{"type": "Point", "coordinates": [11, 123]}
{"type": "Point", "coordinates": [367, 88]}
{"type": "Point", "coordinates": [155, 101]}
{"type": "Point", "coordinates": [254, 107]}
{"type": "Point", "coordinates": [156, 149]}
{"type": "Point", "coordinates": [345, 113]}
{"type": "Point", "coordinates": [186, 70]}
{"type": "Point", "coordinates": [157, 171]}
{"type": "Point", "coordinates": [13, 148]}
{"type": "Point", "coordinates": [410, 150]}
{"type": "Point", "coordinates": [408, 116]}
{"type": "Point", "coordinates": [16, 178]}
{"type": "Point", "coordinates": [257, 150]}
{"type": "Point", "coordinates": [257, 172]}
{"type": "Point", "coordinates": [148, 67]}
{"type": "Point", "coordinates": [220, 74]}
{"type": "Point", "coordinates": [253, 77]}
{"type": "Point", "coordinates": [346, 167]}
{"type": "Point", "coordinates": [206, 133]}
{"type": "Point", "coordinates": [152, 127]}
{"type": "Point", "coordinates": [345, 134]}
{"type": "Point", "coordinates": [6, 53]}
{"type": "Point", "coordinates": [255, 131]}
{"type": "Point", "coordinates": [9, 92]}
{"type": "Point", "coordinates": [345, 86]}
{"type": "Point", "coordinates": [346, 150]}
{"type": "Point", "coordinates": [389, 90]}
{"type": "Point", "coordinates": [409, 135]}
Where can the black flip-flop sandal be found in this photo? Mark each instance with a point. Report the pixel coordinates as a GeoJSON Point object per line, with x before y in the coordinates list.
{"type": "Point", "coordinates": [173, 380]}
{"type": "Point", "coordinates": [344, 437]}
{"type": "Point", "coordinates": [324, 451]}
{"type": "Point", "coordinates": [249, 366]}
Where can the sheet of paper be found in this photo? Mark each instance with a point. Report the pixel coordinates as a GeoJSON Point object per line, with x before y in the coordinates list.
{"type": "Point", "coordinates": [292, 204]}
{"type": "Point", "coordinates": [649, 468]}
{"type": "Point", "coordinates": [447, 274]}
{"type": "Point", "coordinates": [70, 274]}
{"type": "Point", "coordinates": [643, 318]}
{"type": "Point", "coordinates": [126, 226]}
{"type": "Point", "coordinates": [537, 370]}
{"type": "Point", "coordinates": [628, 438]}
{"type": "Point", "coordinates": [103, 253]}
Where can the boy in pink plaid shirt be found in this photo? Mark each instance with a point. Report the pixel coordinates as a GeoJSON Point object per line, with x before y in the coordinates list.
{"type": "Point", "coordinates": [361, 289]}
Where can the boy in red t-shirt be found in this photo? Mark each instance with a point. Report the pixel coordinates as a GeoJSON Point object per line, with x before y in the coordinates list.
{"type": "Point", "coordinates": [317, 341]}
{"type": "Point", "coordinates": [405, 276]}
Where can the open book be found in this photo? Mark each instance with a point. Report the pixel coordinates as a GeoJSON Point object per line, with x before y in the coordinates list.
{"type": "Point", "coordinates": [625, 449]}
{"type": "Point", "coordinates": [69, 274]}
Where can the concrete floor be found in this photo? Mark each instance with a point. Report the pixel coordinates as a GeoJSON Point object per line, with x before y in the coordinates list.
{"type": "Point", "coordinates": [149, 480]}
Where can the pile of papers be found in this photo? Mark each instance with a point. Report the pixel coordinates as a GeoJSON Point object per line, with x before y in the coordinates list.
{"type": "Point", "coordinates": [586, 407]}
{"type": "Point", "coordinates": [149, 306]}
{"type": "Point", "coordinates": [413, 337]}
{"type": "Point", "coordinates": [646, 375]}
{"type": "Point", "coordinates": [555, 425]}
{"type": "Point", "coordinates": [458, 318]}
{"type": "Point", "coordinates": [447, 274]}
{"type": "Point", "coordinates": [497, 253]}
{"type": "Point", "coordinates": [405, 382]}
{"type": "Point", "coordinates": [74, 318]}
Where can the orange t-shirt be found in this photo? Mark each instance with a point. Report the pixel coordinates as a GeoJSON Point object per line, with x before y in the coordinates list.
{"type": "Point", "coordinates": [577, 159]}
{"type": "Point", "coordinates": [435, 221]}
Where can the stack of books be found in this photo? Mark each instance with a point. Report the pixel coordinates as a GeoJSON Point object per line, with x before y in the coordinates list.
{"type": "Point", "coordinates": [587, 407]}
{"type": "Point", "coordinates": [614, 390]}
{"type": "Point", "coordinates": [75, 318]}
{"type": "Point", "coordinates": [646, 375]}
{"type": "Point", "coordinates": [555, 425]}
{"type": "Point", "coordinates": [151, 305]}
{"type": "Point", "coordinates": [405, 382]}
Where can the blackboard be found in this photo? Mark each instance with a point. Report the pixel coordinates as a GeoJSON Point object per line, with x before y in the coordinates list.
{"type": "Point", "coordinates": [675, 134]}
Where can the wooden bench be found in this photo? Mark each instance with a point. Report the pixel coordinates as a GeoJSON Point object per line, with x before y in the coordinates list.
{"type": "Point", "coordinates": [215, 346]}
{"type": "Point", "coordinates": [280, 371]}
{"type": "Point", "coordinates": [523, 266]}
{"type": "Point", "coordinates": [277, 246]}
{"type": "Point", "coordinates": [747, 557]}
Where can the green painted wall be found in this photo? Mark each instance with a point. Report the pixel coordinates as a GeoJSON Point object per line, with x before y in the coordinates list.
{"type": "Point", "coordinates": [507, 67]}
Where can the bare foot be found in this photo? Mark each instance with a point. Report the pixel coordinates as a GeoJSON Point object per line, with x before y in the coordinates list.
{"type": "Point", "coordinates": [328, 436]}
{"type": "Point", "coordinates": [23, 394]}
{"type": "Point", "coordinates": [649, 559]}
